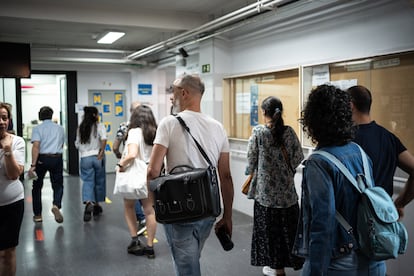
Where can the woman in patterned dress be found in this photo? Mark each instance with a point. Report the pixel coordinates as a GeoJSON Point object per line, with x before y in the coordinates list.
{"type": "Point", "coordinates": [274, 151]}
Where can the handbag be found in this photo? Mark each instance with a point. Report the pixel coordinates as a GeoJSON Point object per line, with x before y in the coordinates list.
{"type": "Point", "coordinates": [246, 184]}
{"type": "Point", "coordinates": [132, 183]}
{"type": "Point", "coordinates": [186, 194]}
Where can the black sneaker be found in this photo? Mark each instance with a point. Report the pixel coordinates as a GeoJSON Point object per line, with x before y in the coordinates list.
{"type": "Point", "coordinates": [87, 215]}
{"type": "Point", "coordinates": [97, 210]}
{"type": "Point", "coordinates": [147, 251]}
{"type": "Point", "coordinates": [135, 248]}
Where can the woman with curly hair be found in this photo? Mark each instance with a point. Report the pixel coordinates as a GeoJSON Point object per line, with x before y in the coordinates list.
{"type": "Point", "coordinates": [274, 151]}
{"type": "Point", "coordinates": [91, 143]}
{"type": "Point", "coordinates": [327, 247]}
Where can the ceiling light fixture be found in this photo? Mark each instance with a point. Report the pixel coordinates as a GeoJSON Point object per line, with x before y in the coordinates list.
{"type": "Point", "coordinates": [110, 37]}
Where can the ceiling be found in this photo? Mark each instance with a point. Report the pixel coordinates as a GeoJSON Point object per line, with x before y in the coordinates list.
{"type": "Point", "coordinates": [68, 30]}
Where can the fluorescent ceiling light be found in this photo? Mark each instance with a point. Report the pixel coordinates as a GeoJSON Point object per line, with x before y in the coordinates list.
{"type": "Point", "coordinates": [111, 37]}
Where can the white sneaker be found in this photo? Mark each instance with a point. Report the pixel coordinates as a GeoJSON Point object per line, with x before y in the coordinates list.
{"type": "Point", "coordinates": [268, 271]}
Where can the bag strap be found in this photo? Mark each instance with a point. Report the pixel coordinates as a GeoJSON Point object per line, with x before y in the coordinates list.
{"type": "Point", "coordinates": [198, 144]}
{"type": "Point", "coordinates": [286, 156]}
{"type": "Point", "coordinates": [349, 176]}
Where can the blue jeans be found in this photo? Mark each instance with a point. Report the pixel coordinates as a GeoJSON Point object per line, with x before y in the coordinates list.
{"type": "Point", "coordinates": [186, 240]}
{"type": "Point", "coordinates": [55, 167]}
{"type": "Point", "coordinates": [351, 265]}
{"type": "Point", "coordinates": [138, 211]}
{"type": "Point", "coordinates": [92, 173]}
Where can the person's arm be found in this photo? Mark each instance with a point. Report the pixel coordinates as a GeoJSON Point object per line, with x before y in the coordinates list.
{"type": "Point", "coordinates": [12, 168]}
{"type": "Point", "coordinates": [156, 161]}
{"type": "Point", "coordinates": [406, 163]}
{"type": "Point", "coordinates": [115, 148]}
{"type": "Point", "coordinates": [101, 153]}
{"type": "Point", "coordinates": [318, 188]}
{"type": "Point", "coordinates": [35, 155]}
{"type": "Point", "coordinates": [227, 192]}
{"type": "Point", "coordinates": [126, 160]}
{"type": "Point", "coordinates": [103, 139]}
{"type": "Point", "coordinates": [252, 153]}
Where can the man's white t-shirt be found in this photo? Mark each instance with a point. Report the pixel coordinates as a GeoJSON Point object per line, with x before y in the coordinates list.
{"type": "Point", "coordinates": [182, 150]}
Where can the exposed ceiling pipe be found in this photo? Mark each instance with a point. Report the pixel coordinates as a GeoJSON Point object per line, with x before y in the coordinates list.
{"type": "Point", "coordinates": [259, 7]}
{"type": "Point", "coordinates": [63, 49]}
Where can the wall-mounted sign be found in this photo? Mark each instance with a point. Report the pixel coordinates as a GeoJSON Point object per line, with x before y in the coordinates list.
{"type": "Point", "coordinates": [144, 89]}
{"type": "Point", "coordinates": [97, 98]}
{"type": "Point", "coordinates": [205, 68]}
{"type": "Point", "coordinates": [119, 104]}
{"type": "Point", "coordinates": [106, 107]}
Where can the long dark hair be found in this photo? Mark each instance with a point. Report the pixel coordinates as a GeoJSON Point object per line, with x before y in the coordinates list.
{"type": "Point", "coordinates": [273, 108]}
{"type": "Point", "coordinates": [143, 118]}
{"type": "Point", "coordinates": [88, 124]}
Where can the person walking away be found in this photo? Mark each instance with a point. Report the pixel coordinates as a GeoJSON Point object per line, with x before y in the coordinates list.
{"type": "Point", "coordinates": [47, 140]}
{"type": "Point", "coordinates": [140, 137]}
{"type": "Point", "coordinates": [12, 153]}
{"type": "Point", "coordinates": [328, 248]}
{"type": "Point", "coordinates": [120, 140]}
{"type": "Point", "coordinates": [186, 240]}
{"type": "Point", "coordinates": [91, 143]}
{"type": "Point", "coordinates": [383, 147]}
{"type": "Point", "coordinates": [273, 152]}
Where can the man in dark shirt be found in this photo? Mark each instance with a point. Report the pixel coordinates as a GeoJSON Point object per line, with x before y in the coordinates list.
{"type": "Point", "coordinates": [383, 147]}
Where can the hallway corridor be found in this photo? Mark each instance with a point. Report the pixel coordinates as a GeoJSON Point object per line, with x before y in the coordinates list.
{"type": "Point", "coordinates": [99, 247]}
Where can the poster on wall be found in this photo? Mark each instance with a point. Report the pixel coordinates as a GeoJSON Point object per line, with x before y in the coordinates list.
{"type": "Point", "coordinates": [243, 103]}
{"type": "Point", "coordinates": [119, 104]}
{"type": "Point", "coordinates": [97, 98]}
{"type": "Point", "coordinates": [254, 101]}
{"type": "Point", "coordinates": [145, 89]}
{"type": "Point", "coordinates": [320, 75]}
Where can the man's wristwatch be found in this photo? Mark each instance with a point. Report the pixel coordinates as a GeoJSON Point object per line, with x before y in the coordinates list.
{"type": "Point", "coordinates": [119, 165]}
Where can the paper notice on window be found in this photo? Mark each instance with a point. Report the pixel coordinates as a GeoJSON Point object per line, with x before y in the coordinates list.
{"type": "Point", "coordinates": [320, 75]}
{"type": "Point", "coordinates": [344, 84]}
{"type": "Point", "coordinates": [243, 103]}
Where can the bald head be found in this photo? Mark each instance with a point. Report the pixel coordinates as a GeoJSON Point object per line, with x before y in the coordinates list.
{"type": "Point", "coordinates": [192, 83]}
{"type": "Point", "coordinates": [134, 105]}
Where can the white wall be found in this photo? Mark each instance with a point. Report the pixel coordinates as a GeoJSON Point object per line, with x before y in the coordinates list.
{"type": "Point", "coordinates": [371, 32]}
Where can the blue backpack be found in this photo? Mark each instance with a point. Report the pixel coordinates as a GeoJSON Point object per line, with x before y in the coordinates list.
{"type": "Point", "coordinates": [379, 234]}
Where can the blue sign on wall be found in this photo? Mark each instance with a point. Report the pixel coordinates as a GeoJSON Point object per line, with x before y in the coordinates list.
{"type": "Point", "coordinates": [254, 107]}
{"type": "Point", "coordinates": [145, 89]}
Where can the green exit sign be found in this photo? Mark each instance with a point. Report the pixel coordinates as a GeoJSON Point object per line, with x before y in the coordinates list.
{"type": "Point", "coordinates": [205, 68]}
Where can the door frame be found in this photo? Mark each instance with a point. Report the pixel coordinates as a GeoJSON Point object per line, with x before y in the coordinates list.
{"type": "Point", "coordinates": [72, 123]}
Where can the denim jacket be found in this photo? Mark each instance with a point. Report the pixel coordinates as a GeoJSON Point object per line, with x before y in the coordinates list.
{"type": "Point", "coordinates": [320, 238]}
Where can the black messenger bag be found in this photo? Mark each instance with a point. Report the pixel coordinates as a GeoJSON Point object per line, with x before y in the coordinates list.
{"type": "Point", "coordinates": [186, 195]}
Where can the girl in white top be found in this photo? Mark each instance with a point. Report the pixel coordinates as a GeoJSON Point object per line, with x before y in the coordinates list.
{"type": "Point", "coordinates": [91, 143]}
{"type": "Point", "coordinates": [141, 133]}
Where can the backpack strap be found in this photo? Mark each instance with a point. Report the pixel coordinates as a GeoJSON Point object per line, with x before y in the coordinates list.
{"type": "Point", "coordinates": [366, 166]}
{"type": "Point", "coordinates": [351, 179]}
{"type": "Point", "coordinates": [341, 167]}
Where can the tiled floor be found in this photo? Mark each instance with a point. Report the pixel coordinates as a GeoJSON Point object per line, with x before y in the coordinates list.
{"type": "Point", "coordinates": [98, 247]}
